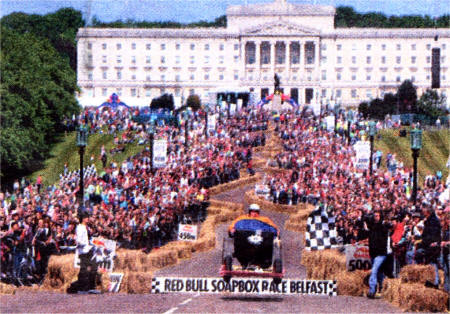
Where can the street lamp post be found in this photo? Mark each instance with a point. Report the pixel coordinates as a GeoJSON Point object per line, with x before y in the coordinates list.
{"type": "Point", "coordinates": [372, 133]}
{"type": "Point", "coordinates": [349, 124]}
{"type": "Point", "coordinates": [336, 115]}
{"type": "Point", "coordinates": [206, 122]}
{"type": "Point", "coordinates": [151, 133]}
{"type": "Point", "coordinates": [186, 130]}
{"type": "Point", "coordinates": [416, 145]}
{"type": "Point", "coordinates": [82, 138]}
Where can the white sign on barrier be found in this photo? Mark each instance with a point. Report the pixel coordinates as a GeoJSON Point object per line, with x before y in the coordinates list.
{"type": "Point", "coordinates": [260, 286]}
{"type": "Point", "coordinates": [159, 153]}
{"type": "Point", "coordinates": [104, 252]}
{"type": "Point", "coordinates": [330, 121]}
{"type": "Point", "coordinates": [357, 257]}
{"type": "Point", "coordinates": [211, 122]}
{"type": "Point", "coordinates": [187, 232]}
{"type": "Point", "coordinates": [115, 281]}
{"type": "Point", "coordinates": [362, 149]}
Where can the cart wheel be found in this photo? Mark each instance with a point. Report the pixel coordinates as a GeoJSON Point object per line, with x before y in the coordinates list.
{"type": "Point", "coordinates": [277, 268]}
{"type": "Point", "coordinates": [228, 262]}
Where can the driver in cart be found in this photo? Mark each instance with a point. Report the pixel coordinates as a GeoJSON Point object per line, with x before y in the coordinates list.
{"type": "Point", "coordinates": [253, 238]}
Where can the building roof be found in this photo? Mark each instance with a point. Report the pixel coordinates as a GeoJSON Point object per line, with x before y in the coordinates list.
{"type": "Point", "coordinates": [280, 8]}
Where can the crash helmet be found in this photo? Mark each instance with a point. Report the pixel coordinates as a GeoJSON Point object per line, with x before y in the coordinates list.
{"type": "Point", "coordinates": [254, 208]}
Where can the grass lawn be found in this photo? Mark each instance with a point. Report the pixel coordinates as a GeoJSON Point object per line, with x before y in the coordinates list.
{"type": "Point", "coordinates": [433, 155]}
{"type": "Point", "coordinates": [66, 151]}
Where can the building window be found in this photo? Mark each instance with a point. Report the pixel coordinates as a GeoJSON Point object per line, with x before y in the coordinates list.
{"type": "Point", "coordinates": [148, 78]}
{"type": "Point", "coordinates": [133, 46]}
{"type": "Point", "coordinates": [368, 77]}
{"type": "Point", "coordinates": [398, 79]}
{"type": "Point", "coordinates": [444, 46]}
{"type": "Point", "coordinates": [428, 46]}
{"type": "Point", "coordinates": [428, 77]}
{"type": "Point", "coordinates": [90, 76]}
{"type": "Point", "coordinates": [104, 46]}
{"type": "Point", "coordinates": [383, 78]}
{"type": "Point", "coordinates": [236, 59]}
{"type": "Point", "coordinates": [413, 78]}
{"type": "Point", "coordinates": [177, 78]}
{"type": "Point", "coordinates": [89, 46]}
{"type": "Point", "coordinates": [323, 47]}
{"type": "Point", "coordinates": [339, 47]}
{"type": "Point", "coordinates": [133, 92]}
{"type": "Point", "coordinates": [221, 47]}
{"type": "Point", "coordinates": [192, 77]}
{"type": "Point", "coordinates": [324, 93]}
{"type": "Point", "coordinates": [163, 77]}
{"type": "Point", "coordinates": [162, 91]}
{"type": "Point", "coordinates": [368, 59]}
{"type": "Point", "coordinates": [369, 47]}
{"type": "Point", "coordinates": [177, 46]}
{"type": "Point", "coordinates": [192, 91]}
{"type": "Point", "coordinates": [413, 46]}
{"type": "Point", "coordinates": [383, 47]}
{"type": "Point", "coordinates": [398, 59]}
{"type": "Point", "coordinates": [119, 46]}
{"type": "Point", "coordinates": [221, 59]}
{"type": "Point", "coordinates": [105, 75]}
{"type": "Point", "coordinates": [353, 77]}
{"type": "Point", "coordinates": [353, 59]}
{"type": "Point", "coordinates": [177, 59]}
{"type": "Point", "coordinates": [236, 47]}
{"type": "Point", "coordinates": [206, 59]}
{"type": "Point", "coordinates": [383, 59]}
{"type": "Point", "coordinates": [413, 59]}
{"type": "Point", "coordinates": [148, 46]}
{"type": "Point", "coordinates": [324, 75]}
{"type": "Point", "coordinates": [221, 77]}
{"type": "Point", "coordinates": [148, 92]}
{"type": "Point", "coordinates": [119, 91]}
{"type": "Point", "coordinates": [192, 59]}
{"type": "Point", "coordinates": [250, 78]}
{"type": "Point", "coordinates": [119, 75]}
{"type": "Point", "coordinates": [236, 76]}
{"type": "Point", "coordinates": [133, 59]}
{"type": "Point", "coordinates": [338, 93]}
{"type": "Point", "coordinates": [119, 59]}
{"type": "Point", "coordinates": [309, 76]}
{"type": "Point", "coordinates": [206, 46]}
{"type": "Point", "coordinates": [104, 59]}
{"type": "Point", "coordinates": [338, 76]}
{"type": "Point", "coordinates": [353, 47]}
{"type": "Point", "coordinates": [443, 59]}
{"type": "Point", "coordinates": [192, 46]}
{"type": "Point", "coordinates": [354, 94]}
{"type": "Point", "coordinates": [428, 59]}
{"type": "Point", "coordinates": [177, 92]}
{"type": "Point", "coordinates": [148, 59]}
{"type": "Point", "coordinates": [163, 46]}
{"type": "Point", "coordinates": [399, 47]}
{"type": "Point", "coordinates": [368, 93]}
{"type": "Point", "coordinates": [339, 60]}
{"type": "Point", "coordinates": [163, 59]}
{"type": "Point", "coordinates": [324, 60]}
{"type": "Point", "coordinates": [104, 91]}
{"type": "Point", "coordinates": [133, 77]}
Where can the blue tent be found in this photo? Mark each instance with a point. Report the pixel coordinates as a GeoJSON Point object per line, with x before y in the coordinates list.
{"type": "Point", "coordinates": [113, 102]}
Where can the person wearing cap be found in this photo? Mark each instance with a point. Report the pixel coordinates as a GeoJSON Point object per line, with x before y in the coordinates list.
{"type": "Point", "coordinates": [253, 213]}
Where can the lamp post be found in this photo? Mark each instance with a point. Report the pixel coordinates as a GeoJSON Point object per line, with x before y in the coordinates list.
{"type": "Point", "coordinates": [82, 138]}
{"type": "Point", "coordinates": [206, 122]}
{"type": "Point", "coordinates": [416, 145]}
{"type": "Point", "coordinates": [349, 124]}
{"type": "Point", "coordinates": [151, 133]}
{"type": "Point", "coordinates": [186, 130]}
{"type": "Point", "coordinates": [336, 114]}
{"type": "Point", "coordinates": [372, 133]}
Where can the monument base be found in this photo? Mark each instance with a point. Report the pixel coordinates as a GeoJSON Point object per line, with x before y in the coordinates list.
{"type": "Point", "coordinates": [276, 103]}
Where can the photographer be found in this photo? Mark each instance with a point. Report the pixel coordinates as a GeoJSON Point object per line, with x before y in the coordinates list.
{"type": "Point", "coordinates": [379, 249]}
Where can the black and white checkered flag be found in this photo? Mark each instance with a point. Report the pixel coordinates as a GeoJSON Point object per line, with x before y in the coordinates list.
{"type": "Point", "coordinates": [155, 286]}
{"type": "Point", "coordinates": [320, 230]}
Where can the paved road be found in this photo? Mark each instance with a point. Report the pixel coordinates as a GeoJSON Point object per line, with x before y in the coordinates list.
{"type": "Point", "coordinates": [204, 264]}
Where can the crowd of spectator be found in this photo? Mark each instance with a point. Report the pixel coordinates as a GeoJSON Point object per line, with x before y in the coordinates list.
{"type": "Point", "coordinates": [321, 170]}
{"type": "Point", "coordinates": [130, 202]}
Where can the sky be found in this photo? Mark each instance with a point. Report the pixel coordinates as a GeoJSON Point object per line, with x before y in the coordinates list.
{"type": "Point", "coordinates": [185, 11]}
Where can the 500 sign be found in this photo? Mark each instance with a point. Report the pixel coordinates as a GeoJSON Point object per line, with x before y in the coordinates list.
{"type": "Point", "coordinates": [357, 257]}
{"type": "Point", "coordinates": [358, 264]}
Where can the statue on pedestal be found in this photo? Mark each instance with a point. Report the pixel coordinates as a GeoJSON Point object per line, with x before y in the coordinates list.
{"type": "Point", "coordinates": [276, 79]}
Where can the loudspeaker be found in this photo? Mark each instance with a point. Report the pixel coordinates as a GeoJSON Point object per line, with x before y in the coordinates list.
{"type": "Point", "coordinates": [436, 68]}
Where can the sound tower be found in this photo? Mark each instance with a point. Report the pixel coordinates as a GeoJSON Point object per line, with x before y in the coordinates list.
{"type": "Point", "coordinates": [436, 68]}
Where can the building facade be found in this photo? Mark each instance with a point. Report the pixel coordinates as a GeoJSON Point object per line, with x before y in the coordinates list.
{"type": "Point", "coordinates": [314, 60]}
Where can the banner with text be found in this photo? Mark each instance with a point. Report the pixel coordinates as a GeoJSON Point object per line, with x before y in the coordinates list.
{"type": "Point", "coordinates": [104, 251]}
{"type": "Point", "coordinates": [159, 153]}
{"type": "Point", "coordinates": [362, 149]}
{"type": "Point", "coordinates": [330, 121]}
{"type": "Point", "coordinates": [187, 232]}
{"type": "Point", "coordinates": [260, 286]}
{"type": "Point", "coordinates": [357, 257]}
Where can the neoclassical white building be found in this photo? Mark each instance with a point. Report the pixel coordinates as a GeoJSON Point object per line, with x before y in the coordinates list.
{"type": "Point", "coordinates": [314, 60]}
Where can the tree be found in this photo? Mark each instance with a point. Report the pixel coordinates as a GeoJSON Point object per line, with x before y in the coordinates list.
{"type": "Point", "coordinates": [431, 104]}
{"type": "Point", "coordinates": [390, 100]}
{"type": "Point", "coordinates": [165, 101]}
{"type": "Point", "coordinates": [194, 102]}
{"type": "Point", "coordinates": [363, 108]}
{"type": "Point", "coordinates": [407, 97]}
{"type": "Point", "coordinates": [37, 89]}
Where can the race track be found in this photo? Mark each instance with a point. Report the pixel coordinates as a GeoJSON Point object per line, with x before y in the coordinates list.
{"type": "Point", "coordinates": [204, 264]}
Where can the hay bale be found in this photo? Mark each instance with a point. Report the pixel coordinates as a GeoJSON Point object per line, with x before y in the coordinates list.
{"type": "Point", "coordinates": [136, 282]}
{"type": "Point", "coordinates": [60, 272]}
{"type": "Point", "coordinates": [323, 265]}
{"type": "Point", "coordinates": [351, 283]}
{"type": "Point", "coordinates": [417, 273]}
{"type": "Point", "coordinates": [7, 289]}
{"type": "Point", "coordinates": [104, 282]}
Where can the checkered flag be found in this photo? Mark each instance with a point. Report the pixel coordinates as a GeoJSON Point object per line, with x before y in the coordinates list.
{"type": "Point", "coordinates": [155, 286]}
{"type": "Point", "coordinates": [320, 231]}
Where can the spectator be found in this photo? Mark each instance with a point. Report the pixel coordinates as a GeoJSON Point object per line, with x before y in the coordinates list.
{"type": "Point", "coordinates": [431, 240]}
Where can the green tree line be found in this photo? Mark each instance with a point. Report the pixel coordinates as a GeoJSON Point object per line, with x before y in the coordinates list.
{"type": "Point", "coordinates": [38, 85]}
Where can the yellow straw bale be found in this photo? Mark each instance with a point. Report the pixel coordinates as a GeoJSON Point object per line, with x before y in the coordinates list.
{"type": "Point", "coordinates": [351, 283]}
{"type": "Point", "coordinates": [417, 273]}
